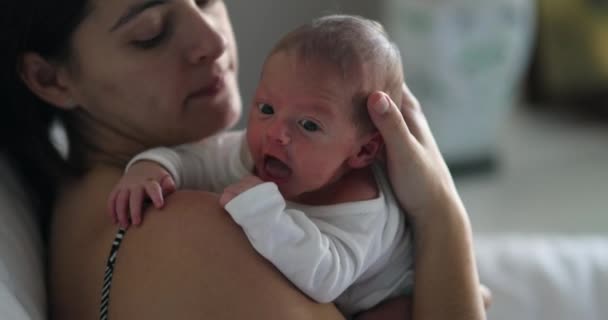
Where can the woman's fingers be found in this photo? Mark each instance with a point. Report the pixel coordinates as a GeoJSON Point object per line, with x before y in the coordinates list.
{"type": "Point", "coordinates": [415, 166]}
{"type": "Point", "coordinates": [486, 296]}
{"type": "Point", "coordinates": [413, 116]}
{"type": "Point", "coordinates": [402, 124]}
{"type": "Point", "coordinates": [388, 120]}
{"type": "Point", "coordinates": [415, 119]}
{"type": "Point", "coordinates": [409, 100]}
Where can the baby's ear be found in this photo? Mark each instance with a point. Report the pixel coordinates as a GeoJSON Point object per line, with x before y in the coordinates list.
{"type": "Point", "coordinates": [368, 151]}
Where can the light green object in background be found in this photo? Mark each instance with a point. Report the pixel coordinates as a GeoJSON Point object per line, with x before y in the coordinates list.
{"type": "Point", "coordinates": [464, 60]}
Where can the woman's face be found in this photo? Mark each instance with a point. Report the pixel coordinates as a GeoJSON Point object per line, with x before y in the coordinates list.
{"type": "Point", "coordinates": [159, 72]}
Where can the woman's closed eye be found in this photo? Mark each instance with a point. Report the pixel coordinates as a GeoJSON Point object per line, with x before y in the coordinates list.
{"type": "Point", "coordinates": [309, 125]}
{"type": "Point", "coordinates": [152, 40]}
{"type": "Point", "coordinates": [266, 109]}
{"type": "Point", "coordinates": [152, 30]}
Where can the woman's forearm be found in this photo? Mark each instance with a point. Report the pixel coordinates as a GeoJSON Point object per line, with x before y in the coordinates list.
{"type": "Point", "coordinates": [446, 277]}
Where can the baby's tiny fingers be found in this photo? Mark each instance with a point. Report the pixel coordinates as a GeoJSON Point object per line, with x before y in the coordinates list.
{"type": "Point", "coordinates": [155, 193]}
{"type": "Point", "coordinates": [111, 205]}
{"type": "Point", "coordinates": [254, 180]}
{"type": "Point", "coordinates": [167, 184]}
{"type": "Point", "coordinates": [122, 202]}
{"type": "Point", "coordinates": [236, 188]}
{"type": "Point", "coordinates": [135, 203]}
{"type": "Point", "coordinates": [225, 198]}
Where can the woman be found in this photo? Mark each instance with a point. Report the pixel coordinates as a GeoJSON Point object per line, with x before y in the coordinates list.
{"type": "Point", "coordinates": [127, 75]}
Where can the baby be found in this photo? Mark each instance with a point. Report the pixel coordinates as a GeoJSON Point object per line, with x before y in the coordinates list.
{"type": "Point", "coordinates": [303, 181]}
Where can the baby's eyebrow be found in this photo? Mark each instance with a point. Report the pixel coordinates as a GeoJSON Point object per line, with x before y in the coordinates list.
{"type": "Point", "coordinates": [323, 109]}
{"type": "Point", "coordinates": [135, 10]}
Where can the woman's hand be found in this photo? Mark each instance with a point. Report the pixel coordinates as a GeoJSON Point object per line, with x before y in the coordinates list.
{"type": "Point", "coordinates": [446, 280]}
{"type": "Point", "coordinates": [416, 169]}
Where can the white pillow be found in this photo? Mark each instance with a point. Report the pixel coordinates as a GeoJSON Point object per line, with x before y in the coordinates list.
{"type": "Point", "coordinates": [545, 277]}
{"type": "Point", "coordinates": [22, 286]}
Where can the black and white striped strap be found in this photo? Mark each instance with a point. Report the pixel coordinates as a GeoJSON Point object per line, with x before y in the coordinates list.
{"type": "Point", "coordinates": [107, 277]}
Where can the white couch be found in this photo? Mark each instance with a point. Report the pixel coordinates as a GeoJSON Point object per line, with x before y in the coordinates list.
{"type": "Point", "coordinates": [545, 277]}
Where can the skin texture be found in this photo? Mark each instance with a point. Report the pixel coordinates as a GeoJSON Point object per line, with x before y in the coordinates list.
{"type": "Point", "coordinates": [165, 76]}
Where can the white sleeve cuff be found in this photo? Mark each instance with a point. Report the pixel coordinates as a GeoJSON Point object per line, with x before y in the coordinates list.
{"type": "Point", "coordinates": [166, 157]}
{"type": "Point", "coordinates": [262, 199]}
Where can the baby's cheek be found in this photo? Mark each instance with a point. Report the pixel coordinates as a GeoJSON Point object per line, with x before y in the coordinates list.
{"type": "Point", "coordinates": [313, 176]}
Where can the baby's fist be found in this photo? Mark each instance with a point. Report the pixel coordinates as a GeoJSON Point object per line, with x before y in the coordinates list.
{"type": "Point", "coordinates": [234, 190]}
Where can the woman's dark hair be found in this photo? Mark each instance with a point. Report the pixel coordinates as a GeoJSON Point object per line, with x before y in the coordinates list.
{"type": "Point", "coordinates": [44, 27]}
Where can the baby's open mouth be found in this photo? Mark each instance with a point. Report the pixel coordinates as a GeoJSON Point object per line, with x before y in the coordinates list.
{"type": "Point", "coordinates": [276, 169]}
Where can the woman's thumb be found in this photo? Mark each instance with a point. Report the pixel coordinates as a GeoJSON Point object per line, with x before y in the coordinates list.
{"type": "Point", "coordinates": [387, 118]}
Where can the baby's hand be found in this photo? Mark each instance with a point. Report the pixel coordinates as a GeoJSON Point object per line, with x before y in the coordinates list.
{"type": "Point", "coordinates": [144, 180]}
{"type": "Point", "coordinates": [234, 190]}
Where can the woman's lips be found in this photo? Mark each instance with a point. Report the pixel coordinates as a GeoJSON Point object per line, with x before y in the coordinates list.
{"type": "Point", "coordinates": [213, 89]}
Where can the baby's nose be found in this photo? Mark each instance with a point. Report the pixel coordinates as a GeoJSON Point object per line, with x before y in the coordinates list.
{"type": "Point", "coordinates": [279, 133]}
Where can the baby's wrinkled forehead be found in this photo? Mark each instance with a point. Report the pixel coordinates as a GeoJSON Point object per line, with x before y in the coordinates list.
{"type": "Point", "coordinates": [355, 51]}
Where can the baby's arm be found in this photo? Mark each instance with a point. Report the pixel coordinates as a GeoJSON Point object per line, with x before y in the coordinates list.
{"type": "Point", "coordinates": [320, 258]}
{"type": "Point", "coordinates": [209, 165]}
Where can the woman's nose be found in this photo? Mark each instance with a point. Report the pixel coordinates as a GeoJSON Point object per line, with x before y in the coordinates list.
{"type": "Point", "coordinates": [278, 133]}
{"type": "Point", "coordinates": [208, 40]}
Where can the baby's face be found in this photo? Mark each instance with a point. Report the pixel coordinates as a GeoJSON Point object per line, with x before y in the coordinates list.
{"type": "Point", "coordinates": [301, 131]}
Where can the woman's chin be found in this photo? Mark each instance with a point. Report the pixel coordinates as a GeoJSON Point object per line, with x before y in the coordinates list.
{"type": "Point", "coordinates": [226, 119]}
{"type": "Point", "coordinates": [232, 117]}
{"type": "Point", "coordinates": [235, 104]}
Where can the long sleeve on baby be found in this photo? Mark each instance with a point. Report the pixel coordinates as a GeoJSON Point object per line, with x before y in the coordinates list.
{"type": "Point", "coordinates": [211, 164]}
{"type": "Point", "coordinates": [320, 258]}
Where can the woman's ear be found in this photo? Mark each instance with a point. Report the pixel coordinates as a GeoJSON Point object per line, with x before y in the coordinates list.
{"type": "Point", "coordinates": [368, 151]}
{"type": "Point", "coordinates": [46, 80]}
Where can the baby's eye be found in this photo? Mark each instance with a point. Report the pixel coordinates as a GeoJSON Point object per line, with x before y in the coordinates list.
{"type": "Point", "coordinates": [308, 125]}
{"type": "Point", "coordinates": [266, 108]}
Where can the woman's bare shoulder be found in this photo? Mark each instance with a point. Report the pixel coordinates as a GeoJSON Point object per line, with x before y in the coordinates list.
{"type": "Point", "coordinates": [190, 260]}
